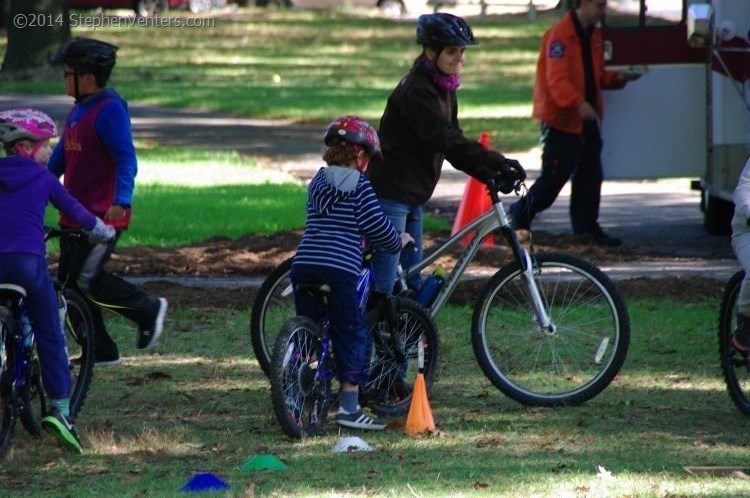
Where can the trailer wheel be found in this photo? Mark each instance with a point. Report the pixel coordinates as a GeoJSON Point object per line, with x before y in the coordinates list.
{"type": "Point", "coordinates": [717, 214]}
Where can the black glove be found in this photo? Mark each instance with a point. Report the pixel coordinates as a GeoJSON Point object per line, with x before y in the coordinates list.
{"type": "Point", "coordinates": [511, 175]}
{"type": "Point", "coordinates": [513, 169]}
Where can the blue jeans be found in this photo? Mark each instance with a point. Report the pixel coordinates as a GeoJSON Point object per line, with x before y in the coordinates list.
{"type": "Point", "coordinates": [349, 334]}
{"type": "Point", "coordinates": [30, 272]}
{"type": "Point", "coordinates": [405, 218]}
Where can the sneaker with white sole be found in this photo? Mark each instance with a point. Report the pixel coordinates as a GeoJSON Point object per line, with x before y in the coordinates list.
{"type": "Point", "coordinates": [358, 420]}
{"type": "Point", "coordinates": [148, 336]}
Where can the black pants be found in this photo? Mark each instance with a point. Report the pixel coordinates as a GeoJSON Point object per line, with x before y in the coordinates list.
{"type": "Point", "coordinates": [82, 265]}
{"type": "Point", "coordinates": [566, 156]}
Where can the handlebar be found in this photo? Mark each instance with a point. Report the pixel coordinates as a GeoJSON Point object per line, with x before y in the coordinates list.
{"type": "Point", "coordinates": [54, 233]}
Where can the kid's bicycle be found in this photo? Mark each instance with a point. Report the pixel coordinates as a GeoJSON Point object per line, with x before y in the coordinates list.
{"type": "Point", "coordinates": [548, 329]}
{"type": "Point", "coordinates": [734, 365]}
{"type": "Point", "coordinates": [21, 392]}
{"type": "Point", "coordinates": [303, 366]}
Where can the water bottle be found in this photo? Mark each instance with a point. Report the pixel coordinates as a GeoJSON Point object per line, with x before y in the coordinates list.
{"type": "Point", "coordinates": [431, 287]}
{"type": "Point", "coordinates": [26, 334]}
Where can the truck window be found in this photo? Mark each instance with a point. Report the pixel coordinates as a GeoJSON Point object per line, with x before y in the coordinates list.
{"type": "Point", "coordinates": [653, 13]}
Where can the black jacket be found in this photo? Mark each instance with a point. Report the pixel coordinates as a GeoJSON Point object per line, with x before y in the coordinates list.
{"type": "Point", "coordinates": [418, 130]}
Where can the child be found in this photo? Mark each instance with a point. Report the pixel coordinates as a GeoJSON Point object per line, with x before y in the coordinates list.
{"type": "Point", "coordinates": [97, 156]}
{"type": "Point", "coordinates": [26, 186]}
{"type": "Point", "coordinates": [341, 210]}
{"type": "Point", "coordinates": [741, 246]}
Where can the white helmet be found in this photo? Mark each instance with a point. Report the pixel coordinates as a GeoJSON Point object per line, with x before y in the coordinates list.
{"type": "Point", "coordinates": [29, 124]}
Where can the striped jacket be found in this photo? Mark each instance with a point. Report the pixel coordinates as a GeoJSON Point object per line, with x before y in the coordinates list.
{"type": "Point", "coordinates": [341, 210]}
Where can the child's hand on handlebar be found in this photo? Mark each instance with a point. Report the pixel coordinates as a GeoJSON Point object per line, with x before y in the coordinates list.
{"type": "Point", "coordinates": [406, 239]}
{"type": "Point", "coordinates": [101, 232]}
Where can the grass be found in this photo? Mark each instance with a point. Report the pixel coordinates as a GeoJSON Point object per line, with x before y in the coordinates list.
{"type": "Point", "coordinates": [313, 65]}
{"type": "Point", "coordinates": [201, 404]}
{"type": "Point", "coordinates": [184, 196]}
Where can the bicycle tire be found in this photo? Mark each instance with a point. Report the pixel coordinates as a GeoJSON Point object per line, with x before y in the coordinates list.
{"type": "Point", "coordinates": [273, 305]}
{"type": "Point", "coordinates": [394, 359]}
{"type": "Point", "coordinates": [734, 366]}
{"type": "Point", "coordinates": [300, 387]}
{"type": "Point", "coordinates": [32, 400]}
{"type": "Point", "coordinates": [565, 367]}
{"type": "Point", "coordinates": [6, 372]}
{"type": "Point", "coordinates": [79, 337]}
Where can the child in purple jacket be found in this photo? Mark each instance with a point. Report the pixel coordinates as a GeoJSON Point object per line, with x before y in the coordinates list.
{"type": "Point", "coordinates": [26, 186]}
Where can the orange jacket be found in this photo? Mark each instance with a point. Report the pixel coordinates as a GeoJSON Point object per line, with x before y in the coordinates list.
{"type": "Point", "coordinates": [560, 87]}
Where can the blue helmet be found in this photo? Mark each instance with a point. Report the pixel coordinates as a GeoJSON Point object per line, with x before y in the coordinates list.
{"type": "Point", "coordinates": [443, 30]}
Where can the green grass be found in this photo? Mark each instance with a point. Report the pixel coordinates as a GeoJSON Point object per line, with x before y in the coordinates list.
{"type": "Point", "coordinates": [184, 196]}
{"type": "Point", "coordinates": [313, 65]}
{"type": "Point", "coordinates": [201, 404]}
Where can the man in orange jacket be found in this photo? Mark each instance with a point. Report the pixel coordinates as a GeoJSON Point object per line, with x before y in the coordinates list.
{"type": "Point", "coordinates": [567, 100]}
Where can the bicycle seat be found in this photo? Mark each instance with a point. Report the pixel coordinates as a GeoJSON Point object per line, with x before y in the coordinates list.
{"type": "Point", "coordinates": [11, 292]}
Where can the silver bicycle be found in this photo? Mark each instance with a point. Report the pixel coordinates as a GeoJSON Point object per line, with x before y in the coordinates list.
{"type": "Point", "coordinates": [547, 329]}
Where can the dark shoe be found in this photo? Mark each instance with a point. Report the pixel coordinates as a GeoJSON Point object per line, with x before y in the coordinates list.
{"type": "Point", "coordinates": [598, 236]}
{"type": "Point", "coordinates": [59, 426]}
{"type": "Point", "coordinates": [148, 336]}
{"type": "Point", "coordinates": [358, 420]}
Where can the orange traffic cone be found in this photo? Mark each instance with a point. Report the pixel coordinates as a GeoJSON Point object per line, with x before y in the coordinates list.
{"type": "Point", "coordinates": [474, 202]}
{"type": "Point", "coordinates": [420, 414]}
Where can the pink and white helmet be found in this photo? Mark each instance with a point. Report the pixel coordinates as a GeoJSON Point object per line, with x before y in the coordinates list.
{"type": "Point", "coordinates": [29, 124]}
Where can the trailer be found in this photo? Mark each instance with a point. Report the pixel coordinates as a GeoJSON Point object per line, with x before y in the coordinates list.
{"type": "Point", "coordinates": [688, 116]}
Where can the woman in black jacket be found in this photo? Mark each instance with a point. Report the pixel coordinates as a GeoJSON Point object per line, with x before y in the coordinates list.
{"type": "Point", "coordinates": [418, 130]}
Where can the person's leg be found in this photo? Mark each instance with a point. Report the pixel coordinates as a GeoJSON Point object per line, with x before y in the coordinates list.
{"type": "Point", "coordinates": [349, 337]}
{"type": "Point", "coordinates": [385, 264]}
{"type": "Point", "coordinates": [412, 256]}
{"type": "Point", "coordinates": [116, 294]}
{"type": "Point", "coordinates": [30, 272]}
{"type": "Point", "coordinates": [586, 184]}
{"type": "Point", "coordinates": [741, 247]}
{"type": "Point", "coordinates": [561, 153]}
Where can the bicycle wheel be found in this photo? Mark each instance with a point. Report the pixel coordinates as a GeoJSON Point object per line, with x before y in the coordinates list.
{"type": "Point", "coordinates": [300, 385]}
{"type": "Point", "coordinates": [79, 337]}
{"type": "Point", "coordinates": [6, 374]}
{"type": "Point", "coordinates": [572, 362]}
{"type": "Point", "coordinates": [734, 365]}
{"type": "Point", "coordinates": [394, 359]}
{"type": "Point", "coordinates": [32, 403]}
{"type": "Point", "coordinates": [273, 305]}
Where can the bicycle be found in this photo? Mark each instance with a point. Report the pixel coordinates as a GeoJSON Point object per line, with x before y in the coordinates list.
{"type": "Point", "coordinates": [303, 367]}
{"type": "Point", "coordinates": [735, 366]}
{"type": "Point", "coordinates": [21, 392]}
{"type": "Point", "coordinates": [547, 330]}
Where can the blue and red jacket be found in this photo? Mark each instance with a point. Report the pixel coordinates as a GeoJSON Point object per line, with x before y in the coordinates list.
{"type": "Point", "coordinates": [97, 156]}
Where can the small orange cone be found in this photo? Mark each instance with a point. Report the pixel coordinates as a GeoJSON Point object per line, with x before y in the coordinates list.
{"type": "Point", "coordinates": [420, 414]}
{"type": "Point", "coordinates": [474, 202]}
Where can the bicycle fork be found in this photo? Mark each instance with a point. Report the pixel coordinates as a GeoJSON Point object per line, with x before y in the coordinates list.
{"type": "Point", "coordinates": [535, 298]}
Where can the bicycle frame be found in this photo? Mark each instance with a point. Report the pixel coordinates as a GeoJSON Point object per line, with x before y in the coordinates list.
{"type": "Point", "coordinates": [493, 219]}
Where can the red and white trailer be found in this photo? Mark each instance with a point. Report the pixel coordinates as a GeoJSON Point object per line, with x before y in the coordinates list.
{"type": "Point", "coordinates": [689, 114]}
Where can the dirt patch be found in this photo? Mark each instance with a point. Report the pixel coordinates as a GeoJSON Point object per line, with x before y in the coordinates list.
{"type": "Point", "coordinates": [255, 256]}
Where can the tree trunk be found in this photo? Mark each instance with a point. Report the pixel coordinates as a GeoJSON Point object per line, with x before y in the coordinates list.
{"type": "Point", "coordinates": [36, 30]}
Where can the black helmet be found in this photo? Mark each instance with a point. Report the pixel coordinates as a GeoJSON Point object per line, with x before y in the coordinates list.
{"type": "Point", "coordinates": [442, 30]}
{"type": "Point", "coordinates": [89, 56]}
